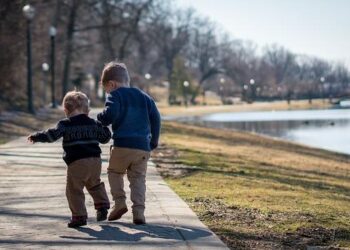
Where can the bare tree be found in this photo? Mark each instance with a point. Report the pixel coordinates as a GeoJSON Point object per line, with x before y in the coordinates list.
{"type": "Point", "coordinates": [284, 68]}
{"type": "Point", "coordinates": [150, 36]}
{"type": "Point", "coordinates": [203, 52]}
{"type": "Point", "coordinates": [73, 8]}
{"type": "Point", "coordinates": [238, 59]}
{"type": "Point", "coordinates": [321, 69]}
{"type": "Point", "coordinates": [171, 33]}
{"type": "Point", "coordinates": [12, 51]}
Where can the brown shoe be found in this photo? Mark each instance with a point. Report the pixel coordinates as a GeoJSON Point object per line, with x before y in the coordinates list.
{"type": "Point", "coordinates": [138, 218]}
{"type": "Point", "coordinates": [117, 212]}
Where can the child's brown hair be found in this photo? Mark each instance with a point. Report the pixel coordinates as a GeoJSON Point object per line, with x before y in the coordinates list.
{"type": "Point", "coordinates": [75, 100]}
{"type": "Point", "coordinates": [115, 71]}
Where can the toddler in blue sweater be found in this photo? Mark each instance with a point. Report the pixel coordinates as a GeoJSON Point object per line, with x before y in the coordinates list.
{"type": "Point", "coordinates": [135, 122]}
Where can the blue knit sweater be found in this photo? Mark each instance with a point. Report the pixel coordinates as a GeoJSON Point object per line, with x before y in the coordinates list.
{"type": "Point", "coordinates": [81, 136]}
{"type": "Point", "coordinates": [134, 117]}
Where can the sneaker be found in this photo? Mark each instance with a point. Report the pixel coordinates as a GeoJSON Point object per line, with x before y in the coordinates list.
{"type": "Point", "coordinates": [101, 214]}
{"type": "Point", "coordinates": [77, 221]}
{"type": "Point", "coordinates": [138, 218]}
{"type": "Point", "coordinates": [117, 212]}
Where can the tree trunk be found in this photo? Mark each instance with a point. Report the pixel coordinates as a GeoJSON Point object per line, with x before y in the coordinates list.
{"type": "Point", "coordinates": [69, 45]}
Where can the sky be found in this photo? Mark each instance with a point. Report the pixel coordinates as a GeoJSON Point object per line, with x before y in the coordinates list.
{"type": "Point", "coordinates": [313, 27]}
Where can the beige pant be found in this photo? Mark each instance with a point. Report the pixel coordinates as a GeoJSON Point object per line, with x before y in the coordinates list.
{"type": "Point", "coordinates": [85, 173]}
{"type": "Point", "coordinates": [133, 162]}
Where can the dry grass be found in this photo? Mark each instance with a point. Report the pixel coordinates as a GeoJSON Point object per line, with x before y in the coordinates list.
{"type": "Point", "coordinates": [258, 106]}
{"type": "Point", "coordinates": [14, 124]}
{"type": "Point", "coordinates": [257, 191]}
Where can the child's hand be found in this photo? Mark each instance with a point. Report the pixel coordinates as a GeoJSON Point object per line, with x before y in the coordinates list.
{"type": "Point", "coordinates": [30, 139]}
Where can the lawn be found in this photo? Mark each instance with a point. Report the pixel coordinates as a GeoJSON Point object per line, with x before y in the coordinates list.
{"type": "Point", "coordinates": [256, 192]}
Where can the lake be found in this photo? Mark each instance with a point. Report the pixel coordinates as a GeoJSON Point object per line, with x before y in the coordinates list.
{"type": "Point", "coordinates": [328, 129]}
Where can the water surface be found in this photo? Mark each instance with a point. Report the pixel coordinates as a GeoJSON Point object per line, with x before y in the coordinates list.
{"type": "Point", "coordinates": [327, 129]}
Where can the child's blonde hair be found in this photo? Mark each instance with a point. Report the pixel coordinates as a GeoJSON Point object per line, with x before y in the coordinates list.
{"type": "Point", "coordinates": [76, 100]}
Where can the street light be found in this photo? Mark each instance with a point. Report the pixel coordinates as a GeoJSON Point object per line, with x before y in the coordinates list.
{"type": "Point", "coordinates": [322, 80]}
{"type": "Point", "coordinates": [29, 12]}
{"type": "Point", "coordinates": [52, 33]}
{"type": "Point", "coordinates": [252, 82]}
{"type": "Point", "coordinates": [244, 92]}
{"type": "Point", "coordinates": [148, 76]}
{"type": "Point", "coordinates": [45, 68]}
{"type": "Point", "coordinates": [186, 84]}
{"type": "Point", "coordinates": [221, 88]}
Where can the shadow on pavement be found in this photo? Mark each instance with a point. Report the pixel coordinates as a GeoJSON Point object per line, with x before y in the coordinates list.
{"type": "Point", "coordinates": [137, 233]}
{"type": "Point", "coordinates": [18, 213]}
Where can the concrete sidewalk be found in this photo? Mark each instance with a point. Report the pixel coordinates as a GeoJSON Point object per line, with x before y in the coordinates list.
{"type": "Point", "coordinates": [34, 211]}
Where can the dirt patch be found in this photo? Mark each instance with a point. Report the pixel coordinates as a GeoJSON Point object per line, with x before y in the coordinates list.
{"type": "Point", "coordinates": [258, 230]}
{"type": "Point", "coordinates": [167, 165]}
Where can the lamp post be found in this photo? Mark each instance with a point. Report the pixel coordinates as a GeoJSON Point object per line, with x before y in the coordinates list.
{"type": "Point", "coordinates": [52, 33]}
{"type": "Point", "coordinates": [279, 90]}
{"type": "Point", "coordinates": [244, 92]}
{"type": "Point", "coordinates": [322, 80]}
{"type": "Point", "coordinates": [221, 89]}
{"type": "Point", "coordinates": [29, 13]}
{"type": "Point", "coordinates": [186, 84]}
{"type": "Point", "coordinates": [252, 84]}
{"type": "Point", "coordinates": [45, 68]}
{"type": "Point", "coordinates": [148, 77]}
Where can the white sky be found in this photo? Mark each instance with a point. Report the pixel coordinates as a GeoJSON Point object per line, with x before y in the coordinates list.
{"type": "Point", "coordinates": [315, 27]}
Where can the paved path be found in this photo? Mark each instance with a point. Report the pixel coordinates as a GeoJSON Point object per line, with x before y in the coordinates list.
{"type": "Point", "coordinates": [34, 211]}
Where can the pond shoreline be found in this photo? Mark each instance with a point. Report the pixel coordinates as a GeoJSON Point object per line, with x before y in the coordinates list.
{"type": "Point", "coordinates": [178, 111]}
{"type": "Point", "coordinates": [319, 128]}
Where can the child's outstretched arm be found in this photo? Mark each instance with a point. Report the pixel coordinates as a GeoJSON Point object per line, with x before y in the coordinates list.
{"type": "Point", "coordinates": [50, 135]}
{"type": "Point", "coordinates": [155, 122]}
{"type": "Point", "coordinates": [111, 111]}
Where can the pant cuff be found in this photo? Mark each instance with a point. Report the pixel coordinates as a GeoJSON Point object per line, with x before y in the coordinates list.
{"type": "Point", "coordinates": [79, 218]}
{"type": "Point", "coordinates": [101, 205]}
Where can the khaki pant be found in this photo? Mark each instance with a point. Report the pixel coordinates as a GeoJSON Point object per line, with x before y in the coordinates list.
{"type": "Point", "coordinates": [85, 173]}
{"type": "Point", "coordinates": [133, 162]}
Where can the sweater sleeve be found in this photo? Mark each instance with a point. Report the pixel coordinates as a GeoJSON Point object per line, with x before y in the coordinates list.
{"type": "Point", "coordinates": [104, 134]}
{"type": "Point", "coordinates": [49, 135]}
{"type": "Point", "coordinates": [155, 122]}
{"type": "Point", "coordinates": [110, 113]}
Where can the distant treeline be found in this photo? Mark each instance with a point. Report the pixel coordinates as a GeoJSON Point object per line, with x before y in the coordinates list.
{"type": "Point", "coordinates": [156, 39]}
